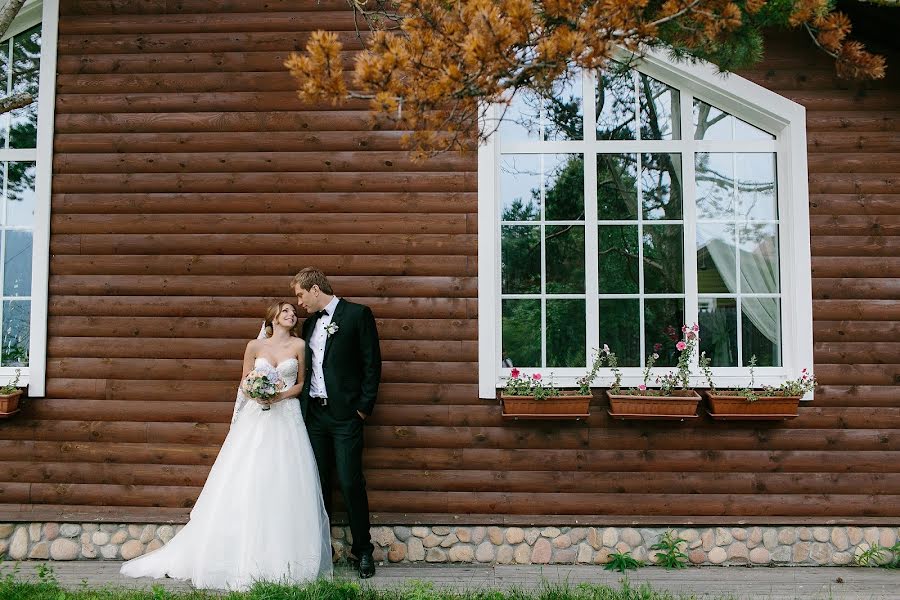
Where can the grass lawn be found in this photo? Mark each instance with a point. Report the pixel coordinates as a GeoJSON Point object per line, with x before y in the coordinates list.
{"type": "Point", "coordinates": [47, 588]}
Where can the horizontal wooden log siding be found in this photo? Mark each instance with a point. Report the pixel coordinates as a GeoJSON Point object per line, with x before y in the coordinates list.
{"type": "Point", "coordinates": [190, 184]}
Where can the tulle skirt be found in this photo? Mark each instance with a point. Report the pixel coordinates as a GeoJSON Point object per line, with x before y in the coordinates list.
{"type": "Point", "coordinates": [260, 515]}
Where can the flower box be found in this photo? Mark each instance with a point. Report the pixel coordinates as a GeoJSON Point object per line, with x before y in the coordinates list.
{"type": "Point", "coordinates": [9, 404]}
{"type": "Point", "coordinates": [726, 405]}
{"type": "Point", "coordinates": [680, 404]}
{"type": "Point", "coordinates": [567, 405]}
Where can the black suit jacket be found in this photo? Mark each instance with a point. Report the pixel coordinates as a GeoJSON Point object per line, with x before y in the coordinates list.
{"type": "Point", "coordinates": [352, 363]}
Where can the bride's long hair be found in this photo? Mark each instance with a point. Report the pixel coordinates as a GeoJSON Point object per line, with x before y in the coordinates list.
{"type": "Point", "coordinates": [272, 313]}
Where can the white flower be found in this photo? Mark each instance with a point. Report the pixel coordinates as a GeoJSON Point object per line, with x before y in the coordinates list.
{"type": "Point", "coordinates": [331, 328]}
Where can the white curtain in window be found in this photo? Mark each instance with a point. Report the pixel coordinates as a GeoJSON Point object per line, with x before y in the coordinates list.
{"type": "Point", "coordinates": [758, 275]}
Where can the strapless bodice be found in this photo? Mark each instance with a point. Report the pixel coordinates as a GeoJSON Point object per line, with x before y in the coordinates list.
{"type": "Point", "coordinates": [288, 369]}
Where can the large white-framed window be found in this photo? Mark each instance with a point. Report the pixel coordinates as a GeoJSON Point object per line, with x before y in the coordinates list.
{"type": "Point", "coordinates": [637, 200]}
{"type": "Point", "coordinates": [28, 60]}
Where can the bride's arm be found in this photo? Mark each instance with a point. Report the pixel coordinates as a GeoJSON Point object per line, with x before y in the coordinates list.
{"type": "Point", "coordinates": [294, 390]}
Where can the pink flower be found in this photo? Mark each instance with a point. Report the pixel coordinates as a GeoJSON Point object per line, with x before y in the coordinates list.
{"type": "Point", "coordinates": [536, 376]}
{"type": "Point", "coordinates": [696, 327]}
{"type": "Point", "coordinates": [681, 346]}
{"type": "Point", "coordinates": [803, 371]}
{"type": "Point", "coordinates": [642, 387]}
{"type": "Point", "coordinates": [657, 347]}
{"type": "Point", "coordinates": [514, 373]}
{"type": "Point", "coordinates": [683, 328]}
{"type": "Point", "coordinates": [691, 335]}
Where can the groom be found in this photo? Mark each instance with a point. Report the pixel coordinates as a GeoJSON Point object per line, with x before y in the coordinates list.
{"type": "Point", "coordinates": [343, 369]}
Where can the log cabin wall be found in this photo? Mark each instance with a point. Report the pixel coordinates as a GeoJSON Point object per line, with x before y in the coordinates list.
{"type": "Point", "coordinates": [190, 184]}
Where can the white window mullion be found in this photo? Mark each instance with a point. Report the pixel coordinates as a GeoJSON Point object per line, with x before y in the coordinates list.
{"type": "Point", "coordinates": [640, 249]}
{"type": "Point", "coordinates": [542, 216]}
{"type": "Point", "coordinates": [591, 234]}
{"type": "Point", "coordinates": [689, 214]}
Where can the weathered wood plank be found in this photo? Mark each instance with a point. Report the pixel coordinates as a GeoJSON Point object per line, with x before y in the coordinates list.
{"type": "Point", "coordinates": [446, 351]}
{"type": "Point", "coordinates": [303, 203]}
{"type": "Point", "coordinates": [260, 286]}
{"type": "Point", "coordinates": [249, 223]}
{"type": "Point", "coordinates": [135, 25]}
{"type": "Point", "coordinates": [259, 162]}
{"type": "Point", "coordinates": [198, 41]}
{"type": "Point", "coordinates": [267, 243]}
{"type": "Point", "coordinates": [265, 182]}
{"type": "Point", "coordinates": [220, 306]}
{"type": "Point", "coordinates": [245, 328]}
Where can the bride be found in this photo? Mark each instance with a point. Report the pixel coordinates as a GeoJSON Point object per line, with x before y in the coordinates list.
{"type": "Point", "coordinates": [260, 514]}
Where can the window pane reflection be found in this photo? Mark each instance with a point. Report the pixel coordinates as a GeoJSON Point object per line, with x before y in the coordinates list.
{"type": "Point", "coordinates": [16, 326]}
{"type": "Point", "coordinates": [718, 328]}
{"type": "Point", "coordinates": [661, 186]}
{"type": "Point", "coordinates": [565, 333]}
{"type": "Point", "coordinates": [521, 333]}
{"type": "Point", "coordinates": [17, 263]}
{"type": "Point", "coordinates": [620, 329]}
{"type": "Point", "coordinates": [520, 255]}
{"type": "Point", "coordinates": [616, 187]}
{"type": "Point", "coordinates": [616, 105]}
{"type": "Point", "coordinates": [761, 331]}
{"type": "Point", "coordinates": [660, 110]}
{"type": "Point", "coordinates": [663, 318]}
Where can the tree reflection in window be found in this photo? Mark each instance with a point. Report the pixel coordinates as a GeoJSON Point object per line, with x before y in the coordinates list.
{"type": "Point", "coordinates": [20, 59]}
{"type": "Point", "coordinates": [640, 236]}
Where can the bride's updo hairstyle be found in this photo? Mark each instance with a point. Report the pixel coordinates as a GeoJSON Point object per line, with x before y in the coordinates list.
{"type": "Point", "coordinates": [272, 313]}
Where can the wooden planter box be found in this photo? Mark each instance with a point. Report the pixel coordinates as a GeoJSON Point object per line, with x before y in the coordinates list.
{"type": "Point", "coordinates": [9, 404]}
{"type": "Point", "coordinates": [682, 404]}
{"type": "Point", "coordinates": [726, 406]}
{"type": "Point", "coordinates": [568, 405]}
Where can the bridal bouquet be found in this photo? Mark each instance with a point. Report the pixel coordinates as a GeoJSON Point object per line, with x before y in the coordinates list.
{"type": "Point", "coordinates": [263, 383]}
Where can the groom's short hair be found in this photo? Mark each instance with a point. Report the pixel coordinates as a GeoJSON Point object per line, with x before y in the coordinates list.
{"type": "Point", "coordinates": [311, 276]}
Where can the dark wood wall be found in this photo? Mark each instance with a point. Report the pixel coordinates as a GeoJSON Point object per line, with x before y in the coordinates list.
{"type": "Point", "coordinates": [190, 184]}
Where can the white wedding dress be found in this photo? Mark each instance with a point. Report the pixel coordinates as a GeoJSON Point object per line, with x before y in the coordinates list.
{"type": "Point", "coordinates": [260, 514]}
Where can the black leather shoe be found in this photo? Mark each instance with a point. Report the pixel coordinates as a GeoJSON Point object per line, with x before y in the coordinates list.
{"type": "Point", "coordinates": [366, 565]}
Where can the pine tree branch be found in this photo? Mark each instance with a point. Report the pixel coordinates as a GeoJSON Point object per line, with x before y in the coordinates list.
{"type": "Point", "coordinates": [15, 101]}
{"type": "Point", "coordinates": [8, 13]}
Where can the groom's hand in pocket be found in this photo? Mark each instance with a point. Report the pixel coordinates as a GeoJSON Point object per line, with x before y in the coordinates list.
{"type": "Point", "coordinates": [362, 415]}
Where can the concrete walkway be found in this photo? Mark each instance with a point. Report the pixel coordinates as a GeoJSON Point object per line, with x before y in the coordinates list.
{"type": "Point", "coordinates": [740, 583]}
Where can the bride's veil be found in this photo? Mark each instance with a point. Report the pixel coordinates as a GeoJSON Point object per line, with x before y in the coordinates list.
{"type": "Point", "coordinates": [242, 399]}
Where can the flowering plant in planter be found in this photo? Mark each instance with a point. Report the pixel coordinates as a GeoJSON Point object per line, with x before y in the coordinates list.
{"type": "Point", "coordinates": [779, 401]}
{"type": "Point", "coordinates": [531, 396]}
{"type": "Point", "coordinates": [519, 384]}
{"type": "Point", "coordinates": [674, 398]}
{"type": "Point", "coordinates": [680, 379]}
{"type": "Point", "coordinates": [9, 396]}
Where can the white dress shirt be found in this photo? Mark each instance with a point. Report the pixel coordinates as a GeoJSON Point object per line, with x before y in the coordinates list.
{"type": "Point", "coordinates": [317, 345]}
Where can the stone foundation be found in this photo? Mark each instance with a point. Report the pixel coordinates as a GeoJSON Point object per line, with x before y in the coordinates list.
{"type": "Point", "coordinates": [781, 546]}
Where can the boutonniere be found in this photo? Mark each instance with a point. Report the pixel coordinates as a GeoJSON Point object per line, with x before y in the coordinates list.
{"type": "Point", "coordinates": [331, 328]}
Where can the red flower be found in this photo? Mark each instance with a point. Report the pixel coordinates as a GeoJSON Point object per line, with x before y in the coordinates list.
{"type": "Point", "coordinates": [657, 347]}
{"type": "Point", "coordinates": [536, 376]}
{"type": "Point", "coordinates": [514, 373]}
{"type": "Point", "coordinates": [681, 346]}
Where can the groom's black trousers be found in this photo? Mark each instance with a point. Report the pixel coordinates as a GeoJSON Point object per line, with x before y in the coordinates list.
{"type": "Point", "coordinates": [340, 442]}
